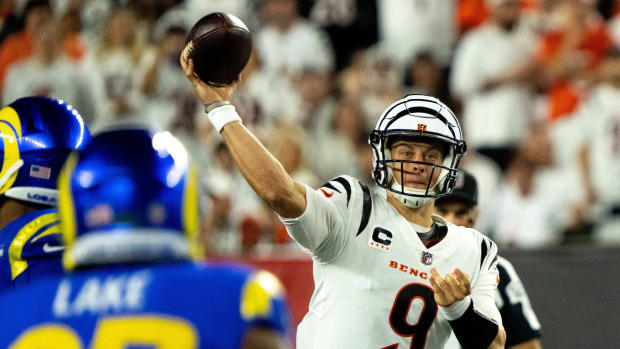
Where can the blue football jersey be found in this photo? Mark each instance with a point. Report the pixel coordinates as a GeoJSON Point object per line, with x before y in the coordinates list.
{"type": "Point", "coordinates": [30, 247]}
{"type": "Point", "coordinates": [181, 305]}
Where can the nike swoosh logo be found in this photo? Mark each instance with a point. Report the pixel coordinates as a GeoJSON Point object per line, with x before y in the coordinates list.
{"type": "Point", "coordinates": [47, 248]}
{"type": "Point", "coordinates": [328, 195]}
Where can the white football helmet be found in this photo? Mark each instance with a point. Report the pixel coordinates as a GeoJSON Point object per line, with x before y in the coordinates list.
{"type": "Point", "coordinates": [423, 117]}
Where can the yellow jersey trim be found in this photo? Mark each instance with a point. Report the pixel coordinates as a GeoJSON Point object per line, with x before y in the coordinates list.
{"type": "Point", "coordinates": [18, 264]}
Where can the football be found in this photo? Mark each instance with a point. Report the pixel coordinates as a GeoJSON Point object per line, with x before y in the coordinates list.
{"type": "Point", "coordinates": [220, 45]}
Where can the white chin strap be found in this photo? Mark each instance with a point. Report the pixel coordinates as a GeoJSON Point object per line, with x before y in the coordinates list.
{"type": "Point", "coordinates": [411, 201]}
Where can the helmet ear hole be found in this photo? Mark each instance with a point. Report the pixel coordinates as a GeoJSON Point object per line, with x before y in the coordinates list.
{"type": "Point", "coordinates": [379, 175]}
{"type": "Point", "coordinates": [374, 137]}
{"type": "Point", "coordinates": [462, 148]}
{"type": "Point", "coordinates": [450, 183]}
{"type": "Point", "coordinates": [376, 174]}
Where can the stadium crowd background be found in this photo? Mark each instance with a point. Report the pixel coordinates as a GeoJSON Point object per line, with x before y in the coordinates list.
{"type": "Point", "coordinates": [521, 75]}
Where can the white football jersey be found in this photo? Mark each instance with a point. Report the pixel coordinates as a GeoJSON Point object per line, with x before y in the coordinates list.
{"type": "Point", "coordinates": [371, 271]}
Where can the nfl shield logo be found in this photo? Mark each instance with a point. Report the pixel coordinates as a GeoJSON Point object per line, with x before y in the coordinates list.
{"type": "Point", "coordinates": [427, 258]}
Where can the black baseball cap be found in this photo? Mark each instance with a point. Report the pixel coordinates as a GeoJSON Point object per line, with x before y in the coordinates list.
{"type": "Point", "coordinates": [465, 190]}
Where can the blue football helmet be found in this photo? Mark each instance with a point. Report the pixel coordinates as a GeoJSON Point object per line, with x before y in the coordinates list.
{"type": "Point", "coordinates": [38, 134]}
{"type": "Point", "coordinates": [130, 196]}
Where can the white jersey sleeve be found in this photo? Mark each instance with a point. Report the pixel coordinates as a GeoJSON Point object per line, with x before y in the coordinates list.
{"type": "Point", "coordinates": [483, 290]}
{"type": "Point", "coordinates": [322, 229]}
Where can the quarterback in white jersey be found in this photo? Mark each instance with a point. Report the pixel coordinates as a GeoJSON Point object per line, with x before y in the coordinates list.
{"type": "Point", "coordinates": [387, 273]}
{"type": "Point", "coordinates": [371, 271]}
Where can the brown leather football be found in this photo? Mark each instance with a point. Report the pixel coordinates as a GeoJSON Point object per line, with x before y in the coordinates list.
{"type": "Point", "coordinates": [220, 46]}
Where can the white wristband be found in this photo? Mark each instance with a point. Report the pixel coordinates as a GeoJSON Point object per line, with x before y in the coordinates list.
{"type": "Point", "coordinates": [456, 309]}
{"type": "Point", "coordinates": [223, 115]}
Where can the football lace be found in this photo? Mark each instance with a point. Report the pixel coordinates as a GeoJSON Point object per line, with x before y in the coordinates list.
{"type": "Point", "coordinates": [188, 50]}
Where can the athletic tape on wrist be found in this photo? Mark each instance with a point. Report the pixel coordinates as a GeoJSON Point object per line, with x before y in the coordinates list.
{"type": "Point", "coordinates": [223, 115]}
{"type": "Point", "coordinates": [455, 310]}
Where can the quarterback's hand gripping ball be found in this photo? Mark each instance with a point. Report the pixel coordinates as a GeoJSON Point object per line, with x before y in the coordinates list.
{"type": "Point", "coordinates": [220, 46]}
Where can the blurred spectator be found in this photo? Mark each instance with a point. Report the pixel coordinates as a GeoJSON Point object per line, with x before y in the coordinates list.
{"type": "Point", "coordinates": [372, 80]}
{"type": "Point", "coordinates": [566, 136]}
{"type": "Point", "coordinates": [351, 25]}
{"type": "Point", "coordinates": [491, 72]}
{"type": "Point", "coordinates": [265, 100]}
{"type": "Point", "coordinates": [145, 14]}
{"type": "Point", "coordinates": [173, 16]}
{"type": "Point", "coordinates": [70, 28]}
{"type": "Point", "coordinates": [425, 76]}
{"type": "Point", "coordinates": [536, 20]}
{"type": "Point", "coordinates": [121, 62]}
{"type": "Point", "coordinates": [335, 149]}
{"type": "Point", "coordinates": [470, 14]}
{"type": "Point", "coordinates": [316, 100]}
{"type": "Point", "coordinates": [410, 26]}
{"type": "Point", "coordinates": [9, 21]}
{"type": "Point", "coordinates": [93, 16]}
{"type": "Point", "coordinates": [599, 128]}
{"type": "Point", "coordinates": [291, 147]}
{"type": "Point", "coordinates": [221, 234]}
{"type": "Point", "coordinates": [18, 46]}
{"type": "Point", "coordinates": [526, 210]}
{"type": "Point", "coordinates": [614, 30]}
{"type": "Point", "coordinates": [608, 8]}
{"type": "Point", "coordinates": [351, 79]}
{"type": "Point", "coordinates": [169, 98]}
{"type": "Point", "coordinates": [380, 82]}
{"type": "Point", "coordinates": [569, 53]}
{"type": "Point", "coordinates": [489, 176]}
{"type": "Point", "coordinates": [48, 73]}
{"type": "Point", "coordinates": [246, 10]}
{"type": "Point", "coordinates": [287, 44]}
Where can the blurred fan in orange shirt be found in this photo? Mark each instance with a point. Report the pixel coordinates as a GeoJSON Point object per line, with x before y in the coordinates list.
{"type": "Point", "coordinates": [19, 45]}
{"type": "Point", "coordinates": [472, 13]}
{"type": "Point", "coordinates": [569, 53]}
